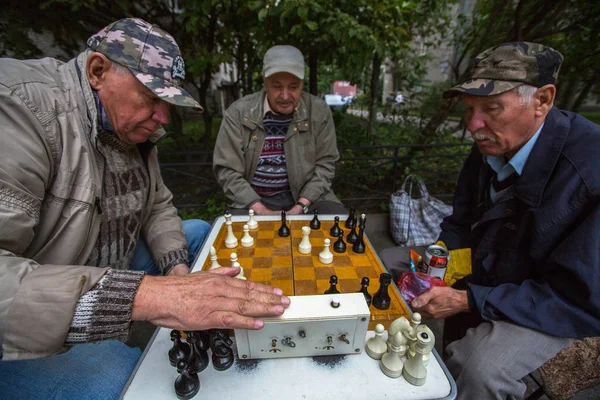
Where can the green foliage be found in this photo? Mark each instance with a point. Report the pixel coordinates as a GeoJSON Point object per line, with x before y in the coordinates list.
{"type": "Point", "coordinates": [592, 116]}
{"type": "Point", "coordinates": [211, 208]}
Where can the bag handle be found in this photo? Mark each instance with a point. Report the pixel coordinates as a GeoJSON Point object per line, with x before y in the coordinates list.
{"type": "Point", "coordinates": [410, 179]}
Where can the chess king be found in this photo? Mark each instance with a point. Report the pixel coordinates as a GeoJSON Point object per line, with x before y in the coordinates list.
{"type": "Point", "coordinates": [86, 219]}
{"type": "Point", "coordinates": [276, 149]}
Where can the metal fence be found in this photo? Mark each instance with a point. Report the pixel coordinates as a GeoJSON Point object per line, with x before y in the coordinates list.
{"type": "Point", "coordinates": [366, 176]}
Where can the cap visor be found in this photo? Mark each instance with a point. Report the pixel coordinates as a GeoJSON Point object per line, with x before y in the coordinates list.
{"type": "Point", "coordinates": [167, 91]}
{"type": "Point", "coordinates": [293, 69]}
{"type": "Point", "coordinates": [481, 87]}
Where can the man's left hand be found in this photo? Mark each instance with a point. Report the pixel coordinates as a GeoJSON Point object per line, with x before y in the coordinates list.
{"type": "Point", "coordinates": [294, 210]}
{"type": "Point", "coordinates": [441, 302]}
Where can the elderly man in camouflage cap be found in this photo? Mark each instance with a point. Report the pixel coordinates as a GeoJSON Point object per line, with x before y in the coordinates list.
{"type": "Point", "coordinates": [527, 204]}
{"type": "Point", "coordinates": [85, 219]}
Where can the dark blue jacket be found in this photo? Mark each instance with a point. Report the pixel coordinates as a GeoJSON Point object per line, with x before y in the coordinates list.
{"type": "Point", "coordinates": [536, 253]}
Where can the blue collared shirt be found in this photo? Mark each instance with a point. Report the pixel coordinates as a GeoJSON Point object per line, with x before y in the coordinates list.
{"type": "Point", "coordinates": [515, 164]}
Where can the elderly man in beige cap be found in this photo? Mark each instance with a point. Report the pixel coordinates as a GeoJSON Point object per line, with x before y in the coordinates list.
{"type": "Point", "coordinates": [276, 149]}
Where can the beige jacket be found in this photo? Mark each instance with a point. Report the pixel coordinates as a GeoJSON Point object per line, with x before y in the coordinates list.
{"type": "Point", "coordinates": [50, 185]}
{"type": "Point", "coordinates": [310, 150]}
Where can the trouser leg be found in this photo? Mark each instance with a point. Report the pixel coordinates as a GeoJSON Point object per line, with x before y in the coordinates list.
{"type": "Point", "coordinates": [493, 358]}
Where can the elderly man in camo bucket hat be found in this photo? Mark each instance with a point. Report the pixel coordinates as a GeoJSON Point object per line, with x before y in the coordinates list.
{"type": "Point", "coordinates": [527, 206]}
{"type": "Point", "coordinates": [86, 219]}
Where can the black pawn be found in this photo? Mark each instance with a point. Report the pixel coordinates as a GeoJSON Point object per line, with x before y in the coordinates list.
{"type": "Point", "coordinates": [284, 231]}
{"type": "Point", "coordinates": [187, 384]}
{"type": "Point", "coordinates": [340, 246]}
{"type": "Point", "coordinates": [364, 283]}
{"type": "Point", "coordinates": [180, 350]}
{"type": "Point", "coordinates": [335, 229]}
{"type": "Point", "coordinates": [350, 221]}
{"type": "Point", "coordinates": [315, 223]}
{"type": "Point", "coordinates": [222, 354]}
{"type": "Point", "coordinates": [382, 300]}
{"type": "Point", "coordinates": [352, 236]}
{"type": "Point", "coordinates": [359, 244]}
{"type": "Point", "coordinates": [198, 360]}
{"type": "Point", "coordinates": [333, 280]}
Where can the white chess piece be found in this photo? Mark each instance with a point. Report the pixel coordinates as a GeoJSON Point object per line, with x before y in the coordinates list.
{"type": "Point", "coordinates": [227, 217]}
{"type": "Point", "coordinates": [305, 247]}
{"type": "Point", "coordinates": [414, 370]}
{"type": "Point", "coordinates": [427, 352]}
{"type": "Point", "coordinates": [241, 274]}
{"type": "Point", "coordinates": [252, 224]}
{"type": "Point", "coordinates": [391, 363]}
{"type": "Point", "coordinates": [376, 346]}
{"type": "Point", "coordinates": [247, 240]}
{"type": "Point", "coordinates": [233, 257]}
{"type": "Point", "coordinates": [231, 241]}
{"type": "Point", "coordinates": [398, 325]}
{"type": "Point", "coordinates": [213, 258]}
{"type": "Point", "coordinates": [326, 256]}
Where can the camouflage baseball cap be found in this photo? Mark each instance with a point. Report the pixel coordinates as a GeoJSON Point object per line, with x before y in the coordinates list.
{"type": "Point", "coordinates": [508, 65]}
{"type": "Point", "coordinates": [150, 53]}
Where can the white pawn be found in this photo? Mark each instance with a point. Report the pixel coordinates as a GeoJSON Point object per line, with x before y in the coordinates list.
{"type": "Point", "coordinates": [305, 247]}
{"type": "Point", "coordinates": [241, 274]}
{"type": "Point", "coordinates": [252, 224]}
{"type": "Point", "coordinates": [414, 370]}
{"type": "Point", "coordinates": [213, 258]}
{"type": "Point", "coordinates": [326, 256]}
{"type": "Point", "coordinates": [391, 362]}
{"type": "Point", "coordinates": [411, 334]}
{"type": "Point", "coordinates": [376, 346]}
{"type": "Point", "coordinates": [233, 257]}
{"type": "Point", "coordinates": [247, 240]}
{"type": "Point", "coordinates": [231, 241]}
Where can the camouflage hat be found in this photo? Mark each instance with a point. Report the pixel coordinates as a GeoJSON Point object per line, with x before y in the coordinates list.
{"type": "Point", "coordinates": [508, 65]}
{"type": "Point", "coordinates": [150, 53]}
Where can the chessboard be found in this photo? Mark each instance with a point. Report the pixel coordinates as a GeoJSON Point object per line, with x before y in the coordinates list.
{"type": "Point", "coordinates": [276, 261]}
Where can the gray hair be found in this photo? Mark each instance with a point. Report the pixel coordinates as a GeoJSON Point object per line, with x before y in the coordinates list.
{"type": "Point", "coordinates": [526, 93]}
{"type": "Point", "coordinates": [118, 68]}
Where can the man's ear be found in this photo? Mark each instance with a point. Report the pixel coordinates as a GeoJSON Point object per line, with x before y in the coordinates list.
{"type": "Point", "coordinates": [96, 69]}
{"type": "Point", "coordinates": [544, 100]}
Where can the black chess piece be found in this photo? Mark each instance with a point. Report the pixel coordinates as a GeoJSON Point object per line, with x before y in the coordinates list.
{"type": "Point", "coordinates": [359, 245]}
{"type": "Point", "coordinates": [187, 383]}
{"type": "Point", "coordinates": [382, 300]}
{"type": "Point", "coordinates": [364, 283]}
{"type": "Point", "coordinates": [340, 246]}
{"type": "Point", "coordinates": [222, 353]}
{"type": "Point", "coordinates": [284, 231]}
{"type": "Point", "coordinates": [350, 222]}
{"type": "Point", "coordinates": [352, 236]}
{"type": "Point", "coordinates": [315, 223]}
{"type": "Point", "coordinates": [180, 350]}
{"type": "Point", "coordinates": [198, 360]}
{"type": "Point", "coordinates": [333, 280]}
{"type": "Point", "coordinates": [335, 229]}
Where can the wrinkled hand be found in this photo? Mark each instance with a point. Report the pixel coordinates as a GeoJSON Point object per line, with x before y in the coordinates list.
{"type": "Point", "coordinates": [294, 210]}
{"type": "Point", "coordinates": [205, 300]}
{"type": "Point", "coordinates": [260, 209]}
{"type": "Point", "coordinates": [441, 302]}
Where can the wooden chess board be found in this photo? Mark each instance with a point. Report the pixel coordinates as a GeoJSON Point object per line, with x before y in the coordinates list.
{"type": "Point", "coordinates": [276, 261]}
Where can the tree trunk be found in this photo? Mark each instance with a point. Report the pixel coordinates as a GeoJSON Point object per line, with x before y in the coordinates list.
{"type": "Point", "coordinates": [586, 90]}
{"type": "Point", "coordinates": [312, 65]}
{"type": "Point", "coordinates": [376, 69]}
{"type": "Point", "coordinates": [177, 128]}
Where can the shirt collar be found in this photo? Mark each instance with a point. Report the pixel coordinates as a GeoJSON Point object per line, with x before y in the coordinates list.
{"type": "Point", "coordinates": [102, 117]}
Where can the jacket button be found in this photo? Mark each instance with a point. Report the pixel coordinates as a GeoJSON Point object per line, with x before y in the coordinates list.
{"type": "Point", "coordinates": [254, 138]}
{"type": "Point", "coordinates": [295, 129]}
{"type": "Point", "coordinates": [306, 124]}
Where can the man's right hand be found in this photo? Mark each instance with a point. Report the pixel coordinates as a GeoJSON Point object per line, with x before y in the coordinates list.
{"type": "Point", "coordinates": [205, 300]}
{"type": "Point", "coordinates": [260, 209]}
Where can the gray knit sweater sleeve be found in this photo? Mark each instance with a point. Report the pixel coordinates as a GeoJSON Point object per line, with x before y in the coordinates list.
{"type": "Point", "coordinates": [104, 312]}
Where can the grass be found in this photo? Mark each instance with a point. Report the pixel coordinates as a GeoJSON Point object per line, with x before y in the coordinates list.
{"type": "Point", "coordinates": [592, 116]}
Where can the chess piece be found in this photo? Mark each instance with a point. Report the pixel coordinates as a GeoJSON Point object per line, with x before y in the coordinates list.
{"type": "Point", "coordinates": [305, 247]}
{"type": "Point", "coordinates": [231, 241]}
{"type": "Point", "coordinates": [335, 229]}
{"type": "Point", "coordinates": [233, 258]}
{"type": "Point", "coordinates": [222, 353]}
{"type": "Point", "coordinates": [359, 245]}
{"type": "Point", "coordinates": [326, 256]}
{"type": "Point", "coordinates": [247, 240]}
{"type": "Point", "coordinates": [414, 370]}
{"type": "Point", "coordinates": [315, 223]}
{"type": "Point", "coordinates": [198, 359]}
{"type": "Point", "coordinates": [427, 352]}
{"type": "Point", "coordinates": [213, 258]}
{"type": "Point", "coordinates": [391, 362]}
{"type": "Point", "coordinates": [340, 246]}
{"type": "Point", "coordinates": [350, 222]}
{"type": "Point", "coordinates": [241, 274]}
{"type": "Point", "coordinates": [352, 236]}
{"type": "Point", "coordinates": [252, 223]}
{"type": "Point", "coordinates": [376, 346]}
{"type": "Point", "coordinates": [187, 384]}
{"type": "Point", "coordinates": [284, 231]}
{"type": "Point", "coordinates": [333, 280]}
{"type": "Point", "coordinates": [382, 300]}
{"type": "Point", "coordinates": [411, 334]}
{"type": "Point", "coordinates": [364, 284]}
{"type": "Point", "coordinates": [180, 350]}
{"type": "Point", "coordinates": [398, 325]}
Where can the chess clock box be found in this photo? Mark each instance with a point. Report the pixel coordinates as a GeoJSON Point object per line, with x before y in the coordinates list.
{"type": "Point", "coordinates": [311, 326]}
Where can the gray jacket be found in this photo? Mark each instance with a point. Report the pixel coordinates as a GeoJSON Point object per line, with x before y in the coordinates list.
{"type": "Point", "coordinates": [310, 150]}
{"type": "Point", "coordinates": [50, 186]}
